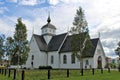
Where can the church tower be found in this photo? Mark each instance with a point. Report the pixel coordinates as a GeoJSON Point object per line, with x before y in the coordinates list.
{"type": "Point", "coordinates": [48, 30]}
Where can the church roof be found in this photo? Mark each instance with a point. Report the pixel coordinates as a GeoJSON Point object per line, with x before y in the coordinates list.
{"type": "Point", "coordinates": [67, 46]}
{"type": "Point", "coordinates": [56, 42]}
{"type": "Point", "coordinates": [49, 25]}
{"type": "Point", "coordinates": [41, 42]}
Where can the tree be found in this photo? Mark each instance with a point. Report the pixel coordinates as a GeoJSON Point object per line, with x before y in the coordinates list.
{"type": "Point", "coordinates": [9, 48]}
{"type": "Point", "coordinates": [21, 44]}
{"type": "Point", "coordinates": [117, 51]}
{"type": "Point", "coordinates": [2, 39]}
{"type": "Point", "coordinates": [80, 42]}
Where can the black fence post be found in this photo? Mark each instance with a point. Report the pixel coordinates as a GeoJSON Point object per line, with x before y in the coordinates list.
{"type": "Point", "coordinates": [82, 72]}
{"type": "Point", "coordinates": [48, 74]}
{"type": "Point", "coordinates": [109, 70]}
{"type": "Point", "coordinates": [9, 73]}
{"type": "Point", "coordinates": [101, 70]}
{"type": "Point", "coordinates": [2, 71]}
{"type": "Point", "coordinates": [67, 72]}
{"type": "Point", "coordinates": [14, 77]}
{"type": "Point", "coordinates": [23, 75]}
{"type": "Point", "coordinates": [5, 71]}
{"type": "Point", "coordinates": [119, 69]}
{"type": "Point", "coordinates": [93, 71]}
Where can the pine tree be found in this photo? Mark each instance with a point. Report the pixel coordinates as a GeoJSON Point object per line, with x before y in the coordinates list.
{"type": "Point", "coordinates": [21, 44]}
{"type": "Point", "coordinates": [80, 42]}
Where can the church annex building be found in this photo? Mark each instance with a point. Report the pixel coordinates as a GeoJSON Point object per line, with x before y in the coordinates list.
{"type": "Point", "coordinates": [49, 49]}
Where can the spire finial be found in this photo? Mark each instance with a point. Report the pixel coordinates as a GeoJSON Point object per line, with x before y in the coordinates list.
{"type": "Point", "coordinates": [49, 20]}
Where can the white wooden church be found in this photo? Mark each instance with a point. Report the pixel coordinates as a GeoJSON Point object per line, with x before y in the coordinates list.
{"type": "Point", "coordinates": [49, 49]}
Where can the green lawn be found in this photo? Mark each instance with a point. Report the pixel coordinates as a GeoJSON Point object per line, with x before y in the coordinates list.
{"type": "Point", "coordinates": [61, 75]}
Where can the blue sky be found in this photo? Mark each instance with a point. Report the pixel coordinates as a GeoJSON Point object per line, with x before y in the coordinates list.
{"type": "Point", "coordinates": [102, 16]}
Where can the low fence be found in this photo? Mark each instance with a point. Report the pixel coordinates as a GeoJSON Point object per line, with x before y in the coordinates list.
{"type": "Point", "coordinates": [12, 73]}
{"type": "Point", "coordinates": [45, 74]}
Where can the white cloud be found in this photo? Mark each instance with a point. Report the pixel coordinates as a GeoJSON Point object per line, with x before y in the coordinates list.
{"type": "Point", "coordinates": [5, 28]}
{"type": "Point", "coordinates": [30, 2]}
{"type": "Point", "coordinates": [3, 9]}
{"type": "Point", "coordinates": [53, 2]}
{"type": "Point", "coordinates": [14, 1]}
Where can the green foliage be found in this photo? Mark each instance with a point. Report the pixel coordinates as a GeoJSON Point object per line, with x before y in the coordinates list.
{"type": "Point", "coordinates": [2, 37]}
{"type": "Point", "coordinates": [45, 67]}
{"type": "Point", "coordinates": [117, 50]}
{"type": "Point", "coordinates": [20, 31]}
{"type": "Point", "coordinates": [80, 41]}
{"type": "Point", "coordinates": [80, 22]}
{"type": "Point", "coordinates": [9, 46]}
{"type": "Point", "coordinates": [21, 44]}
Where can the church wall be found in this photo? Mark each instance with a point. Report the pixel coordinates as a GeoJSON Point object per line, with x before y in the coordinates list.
{"type": "Point", "coordinates": [48, 30]}
{"type": "Point", "coordinates": [99, 52]}
{"type": "Point", "coordinates": [40, 58]}
{"type": "Point", "coordinates": [88, 65]}
{"type": "Point", "coordinates": [68, 64]}
{"type": "Point", "coordinates": [55, 60]}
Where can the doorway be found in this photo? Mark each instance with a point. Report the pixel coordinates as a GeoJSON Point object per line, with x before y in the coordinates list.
{"type": "Point", "coordinates": [99, 62]}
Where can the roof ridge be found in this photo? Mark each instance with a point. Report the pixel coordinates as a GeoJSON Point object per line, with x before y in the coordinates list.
{"type": "Point", "coordinates": [60, 34]}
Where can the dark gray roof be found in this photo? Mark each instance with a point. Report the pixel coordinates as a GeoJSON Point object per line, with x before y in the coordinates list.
{"type": "Point", "coordinates": [41, 42]}
{"type": "Point", "coordinates": [56, 42]}
{"type": "Point", "coordinates": [67, 46]}
{"type": "Point", "coordinates": [48, 25]}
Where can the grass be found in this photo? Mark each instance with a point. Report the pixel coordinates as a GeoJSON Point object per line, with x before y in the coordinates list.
{"type": "Point", "coordinates": [61, 75]}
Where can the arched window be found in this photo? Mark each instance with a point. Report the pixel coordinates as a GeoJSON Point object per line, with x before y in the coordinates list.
{"type": "Point", "coordinates": [52, 59]}
{"type": "Point", "coordinates": [64, 59]}
{"type": "Point", "coordinates": [73, 58]}
{"type": "Point", "coordinates": [32, 57]}
{"type": "Point", "coordinates": [87, 62]}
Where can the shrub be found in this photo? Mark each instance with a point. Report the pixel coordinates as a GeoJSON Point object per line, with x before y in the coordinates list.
{"type": "Point", "coordinates": [45, 67]}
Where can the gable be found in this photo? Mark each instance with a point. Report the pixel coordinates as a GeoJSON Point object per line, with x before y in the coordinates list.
{"type": "Point", "coordinates": [99, 49]}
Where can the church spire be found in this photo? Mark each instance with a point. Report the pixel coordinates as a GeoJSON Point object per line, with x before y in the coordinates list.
{"type": "Point", "coordinates": [49, 20]}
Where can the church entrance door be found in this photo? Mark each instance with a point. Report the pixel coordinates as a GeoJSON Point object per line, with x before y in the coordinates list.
{"type": "Point", "coordinates": [99, 62]}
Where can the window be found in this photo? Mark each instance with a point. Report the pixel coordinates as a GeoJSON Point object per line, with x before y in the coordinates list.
{"type": "Point", "coordinates": [52, 59]}
{"type": "Point", "coordinates": [53, 31]}
{"type": "Point", "coordinates": [32, 57]}
{"type": "Point", "coordinates": [50, 30]}
{"type": "Point", "coordinates": [64, 59]}
{"type": "Point", "coordinates": [87, 62]}
{"type": "Point", "coordinates": [46, 30]}
{"type": "Point", "coordinates": [73, 58]}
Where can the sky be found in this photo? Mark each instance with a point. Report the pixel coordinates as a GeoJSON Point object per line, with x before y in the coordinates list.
{"type": "Point", "coordinates": [103, 16]}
